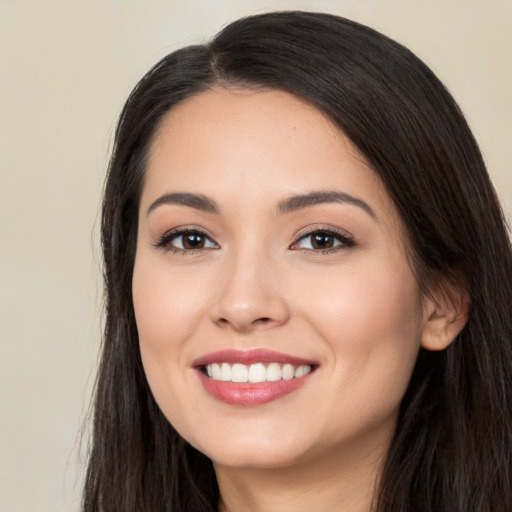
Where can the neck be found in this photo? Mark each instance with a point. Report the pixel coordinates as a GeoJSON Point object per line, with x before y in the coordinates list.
{"type": "Point", "coordinates": [336, 483]}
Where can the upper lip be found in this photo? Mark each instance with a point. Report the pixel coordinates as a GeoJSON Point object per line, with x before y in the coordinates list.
{"type": "Point", "coordinates": [250, 356]}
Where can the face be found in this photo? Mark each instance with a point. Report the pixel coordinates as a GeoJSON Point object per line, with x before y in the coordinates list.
{"type": "Point", "coordinates": [278, 317]}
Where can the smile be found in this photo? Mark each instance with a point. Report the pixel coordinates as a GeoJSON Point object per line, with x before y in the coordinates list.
{"type": "Point", "coordinates": [255, 373]}
{"type": "Point", "coordinates": [252, 377]}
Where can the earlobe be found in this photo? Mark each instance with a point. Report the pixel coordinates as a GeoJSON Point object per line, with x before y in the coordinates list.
{"type": "Point", "coordinates": [444, 320]}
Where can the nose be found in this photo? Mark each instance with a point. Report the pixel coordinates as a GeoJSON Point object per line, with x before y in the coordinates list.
{"type": "Point", "coordinates": [250, 296]}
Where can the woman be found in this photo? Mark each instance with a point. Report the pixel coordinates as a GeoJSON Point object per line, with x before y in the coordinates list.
{"type": "Point", "coordinates": [307, 285]}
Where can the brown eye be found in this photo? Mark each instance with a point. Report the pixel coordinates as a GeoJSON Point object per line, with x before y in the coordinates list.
{"type": "Point", "coordinates": [193, 241]}
{"type": "Point", "coordinates": [321, 239]}
{"type": "Point", "coordinates": [187, 240]}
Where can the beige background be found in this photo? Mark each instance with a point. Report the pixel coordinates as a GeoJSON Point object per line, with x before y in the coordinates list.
{"type": "Point", "coordinates": [65, 70]}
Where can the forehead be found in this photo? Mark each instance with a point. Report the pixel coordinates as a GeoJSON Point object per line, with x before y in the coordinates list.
{"type": "Point", "coordinates": [237, 122]}
{"type": "Point", "coordinates": [255, 145]}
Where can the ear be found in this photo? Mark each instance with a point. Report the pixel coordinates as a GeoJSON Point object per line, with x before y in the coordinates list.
{"type": "Point", "coordinates": [446, 314]}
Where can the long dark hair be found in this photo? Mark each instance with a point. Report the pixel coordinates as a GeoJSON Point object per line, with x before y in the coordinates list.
{"type": "Point", "coordinates": [452, 448]}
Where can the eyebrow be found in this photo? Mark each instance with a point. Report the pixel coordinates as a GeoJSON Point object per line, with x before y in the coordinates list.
{"type": "Point", "coordinates": [299, 202]}
{"type": "Point", "coordinates": [289, 205]}
{"type": "Point", "coordinates": [197, 201]}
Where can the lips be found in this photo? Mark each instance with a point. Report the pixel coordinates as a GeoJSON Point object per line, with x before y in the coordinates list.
{"type": "Point", "coordinates": [252, 377]}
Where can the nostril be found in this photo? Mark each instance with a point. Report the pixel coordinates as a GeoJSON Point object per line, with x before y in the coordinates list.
{"type": "Point", "coordinates": [264, 320]}
{"type": "Point", "coordinates": [244, 326]}
{"type": "Point", "coordinates": [243, 322]}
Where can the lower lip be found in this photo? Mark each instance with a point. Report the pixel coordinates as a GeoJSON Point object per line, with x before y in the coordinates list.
{"type": "Point", "coordinates": [248, 395]}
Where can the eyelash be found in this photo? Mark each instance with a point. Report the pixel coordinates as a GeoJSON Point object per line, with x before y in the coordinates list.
{"type": "Point", "coordinates": [345, 241]}
{"type": "Point", "coordinates": [167, 238]}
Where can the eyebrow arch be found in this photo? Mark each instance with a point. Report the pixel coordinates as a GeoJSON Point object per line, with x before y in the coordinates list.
{"type": "Point", "coordinates": [197, 201]}
{"type": "Point", "coordinates": [291, 204]}
{"type": "Point", "coordinates": [299, 202]}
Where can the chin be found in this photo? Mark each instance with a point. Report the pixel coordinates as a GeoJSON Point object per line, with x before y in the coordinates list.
{"type": "Point", "coordinates": [257, 449]}
{"type": "Point", "coordinates": [255, 458]}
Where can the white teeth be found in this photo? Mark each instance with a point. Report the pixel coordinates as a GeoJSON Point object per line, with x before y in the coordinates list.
{"type": "Point", "coordinates": [215, 371]}
{"type": "Point", "coordinates": [288, 372]}
{"type": "Point", "coordinates": [225, 372]}
{"type": "Point", "coordinates": [274, 372]}
{"type": "Point", "coordinates": [302, 370]}
{"type": "Point", "coordinates": [239, 372]}
{"type": "Point", "coordinates": [255, 372]}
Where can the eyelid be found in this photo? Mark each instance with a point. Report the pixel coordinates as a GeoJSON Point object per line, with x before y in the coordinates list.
{"type": "Point", "coordinates": [341, 235]}
{"type": "Point", "coordinates": [164, 240]}
{"type": "Point", "coordinates": [344, 237]}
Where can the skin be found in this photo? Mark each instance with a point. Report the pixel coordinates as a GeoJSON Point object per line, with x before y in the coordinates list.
{"type": "Point", "coordinates": [357, 311]}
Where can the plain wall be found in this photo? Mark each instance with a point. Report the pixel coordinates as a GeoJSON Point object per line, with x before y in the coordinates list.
{"type": "Point", "coordinates": [65, 70]}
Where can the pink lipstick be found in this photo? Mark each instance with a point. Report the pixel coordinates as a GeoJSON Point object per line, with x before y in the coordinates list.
{"type": "Point", "coordinates": [252, 377]}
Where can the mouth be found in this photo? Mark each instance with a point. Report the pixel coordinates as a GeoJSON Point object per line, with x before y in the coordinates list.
{"type": "Point", "coordinates": [255, 373]}
{"type": "Point", "coordinates": [252, 377]}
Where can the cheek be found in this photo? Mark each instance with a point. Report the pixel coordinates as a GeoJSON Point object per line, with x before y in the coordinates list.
{"type": "Point", "coordinates": [363, 301]}
{"type": "Point", "coordinates": [166, 313]}
{"type": "Point", "coordinates": [377, 310]}
{"type": "Point", "coordinates": [166, 305]}
{"type": "Point", "coordinates": [370, 323]}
